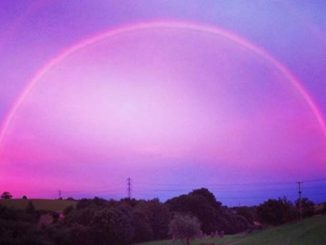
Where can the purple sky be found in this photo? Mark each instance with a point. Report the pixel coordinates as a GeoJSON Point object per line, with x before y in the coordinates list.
{"type": "Point", "coordinates": [228, 95]}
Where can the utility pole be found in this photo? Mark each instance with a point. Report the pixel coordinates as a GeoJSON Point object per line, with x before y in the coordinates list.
{"type": "Point", "coordinates": [129, 187]}
{"type": "Point", "coordinates": [300, 203]}
{"type": "Point", "coordinates": [60, 194]}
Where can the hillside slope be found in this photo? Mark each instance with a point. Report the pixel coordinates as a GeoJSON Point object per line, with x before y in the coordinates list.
{"type": "Point", "coordinates": [311, 231]}
{"type": "Point", "coordinates": [39, 204]}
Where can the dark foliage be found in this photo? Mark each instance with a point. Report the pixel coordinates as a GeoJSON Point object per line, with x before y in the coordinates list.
{"type": "Point", "coordinates": [19, 227]}
{"type": "Point", "coordinates": [202, 204]}
{"type": "Point", "coordinates": [307, 207]}
{"type": "Point", "coordinates": [276, 211]}
{"type": "Point", "coordinates": [6, 195]}
{"type": "Point", "coordinates": [100, 221]}
{"type": "Point", "coordinates": [184, 227]}
{"type": "Point", "coordinates": [247, 212]}
{"type": "Point", "coordinates": [30, 208]}
{"type": "Point", "coordinates": [113, 225]}
{"type": "Point", "coordinates": [198, 206]}
{"type": "Point", "coordinates": [159, 218]}
{"type": "Point", "coordinates": [142, 228]}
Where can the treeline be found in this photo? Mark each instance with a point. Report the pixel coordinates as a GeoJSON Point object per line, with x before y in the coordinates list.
{"type": "Point", "coordinates": [99, 221]}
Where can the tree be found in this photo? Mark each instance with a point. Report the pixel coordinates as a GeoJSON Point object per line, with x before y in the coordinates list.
{"type": "Point", "coordinates": [248, 212]}
{"type": "Point", "coordinates": [6, 195]}
{"type": "Point", "coordinates": [307, 206]}
{"type": "Point", "coordinates": [184, 227]}
{"type": "Point", "coordinates": [158, 217]}
{"type": "Point", "coordinates": [276, 211]}
{"type": "Point", "coordinates": [205, 193]}
{"type": "Point", "coordinates": [113, 225]}
{"type": "Point", "coordinates": [140, 221]}
{"type": "Point", "coordinates": [198, 206]}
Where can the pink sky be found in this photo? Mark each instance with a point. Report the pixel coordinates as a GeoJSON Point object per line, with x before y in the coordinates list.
{"type": "Point", "coordinates": [144, 102]}
{"type": "Point", "coordinates": [174, 94]}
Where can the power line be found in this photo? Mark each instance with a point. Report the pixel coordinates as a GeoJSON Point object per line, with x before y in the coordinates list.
{"type": "Point", "coordinates": [225, 192]}
{"type": "Point", "coordinates": [300, 203]}
{"type": "Point", "coordinates": [234, 184]}
{"type": "Point", "coordinates": [129, 187]}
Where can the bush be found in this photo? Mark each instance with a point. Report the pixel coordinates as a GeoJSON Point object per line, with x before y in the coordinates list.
{"type": "Point", "coordinates": [276, 211]}
{"type": "Point", "coordinates": [158, 217]}
{"type": "Point", "coordinates": [6, 195]}
{"type": "Point", "coordinates": [184, 227]}
{"type": "Point", "coordinates": [141, 224]}
{"type": "Point", "coordinates": [248, 212]}
{"type": "Point", "coordinates": [307, 207]}
{"type": "Point", "coordinates": [113, 225]}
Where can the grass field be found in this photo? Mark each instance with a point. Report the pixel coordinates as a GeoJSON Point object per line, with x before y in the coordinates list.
{"type": "Point", "coordinates": [310, 231]}
{"type": "Point", "coordinates": [39, 204]}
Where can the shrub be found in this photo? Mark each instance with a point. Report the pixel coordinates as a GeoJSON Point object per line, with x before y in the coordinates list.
{"type": "Point", "coordinates": [184, 227]}
{"type": "Point", "coordinates": [276, 211]}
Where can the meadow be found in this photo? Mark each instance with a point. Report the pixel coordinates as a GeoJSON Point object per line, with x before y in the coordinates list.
{"type": "Point", "coordinates": [39, 204]}
{"type": "Point", "coordinates": [310, 231]}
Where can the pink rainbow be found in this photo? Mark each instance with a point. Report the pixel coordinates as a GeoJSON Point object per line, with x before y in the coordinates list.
{"type": "Point", "coordinates": [164, 24]}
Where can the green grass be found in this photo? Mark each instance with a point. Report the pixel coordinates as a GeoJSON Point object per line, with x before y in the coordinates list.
{"type": "Point", "coordinates": [39, 204]}
{"type": "Point", "coordinates": [310, 231]}
{"type": "Point", "coordinates": [225, 240]}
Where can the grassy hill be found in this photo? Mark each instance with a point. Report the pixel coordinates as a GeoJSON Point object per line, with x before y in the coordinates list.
{"type": "Point", "coordinates": [310, 231]}
{"type": "Point", "coordinates": [39, 204]}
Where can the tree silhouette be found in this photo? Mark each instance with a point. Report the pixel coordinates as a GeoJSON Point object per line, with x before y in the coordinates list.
{"type": "Point", "coordinates": [184, 227]}
{"type": "Point", "coordinates": [6, 195]}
